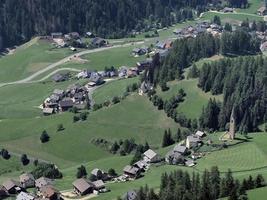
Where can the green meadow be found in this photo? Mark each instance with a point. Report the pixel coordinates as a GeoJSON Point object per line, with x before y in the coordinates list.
{"type": "Point", "coordinates": [28, 59]}
{"type": "Point", "coordinates": [112, 89]}
{"type": "Point", "coordinates": [195, 98]}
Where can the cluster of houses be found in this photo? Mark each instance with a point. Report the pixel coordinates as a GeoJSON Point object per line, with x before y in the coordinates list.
{"type": "Point", "coordinates": [44, 187]}
{"type": "Point", "coordinates": [201, 27]}
{"type": "Point", "coordinates": [84, 186]}
{"type": "Point", "coordinates": [135, 171]}
{"type": "Point", "coordinates": [179, 154]}
{"type": "Point", "coordinates": [66, 40]}
{"type": "Point", "coordinates": [62, 100]}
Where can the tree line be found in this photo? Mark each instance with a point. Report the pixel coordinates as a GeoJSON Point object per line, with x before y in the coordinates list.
{"type": "Point", "coordinates": [21, 20]}
{"type": "Point", "coordinates": [243, 83]}
{"type": "Point", "coordinates": [180, 185]}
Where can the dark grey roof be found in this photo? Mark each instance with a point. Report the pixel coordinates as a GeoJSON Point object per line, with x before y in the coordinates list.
{"type": "Point", "coordinates": [180, 149]}
{"type": "Point", "coordinates": [9, 184]}
{"type": "Point", "coordinates": [25, 177]}
{"type": "Point", "coordinates": [43, 181]}
{"type": "Point", "coordinates": [131, 170]}
{"type": "Point", "coordinates": [67, 102]}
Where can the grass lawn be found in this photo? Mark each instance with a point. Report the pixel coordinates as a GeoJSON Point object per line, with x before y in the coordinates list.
{"type": "Point", "coordinates": [257, 194]}
{"type": "Point", "coordinates": [73, 145]}
{"type": "Point", "coordinates": [231, 17]}
{"type": "Point", "coordinates": [254, 5]}
{"type": "Point", "coordinates": [116, 57]}
{"type": "Point", "coordinates": [246, 156]}
{"type": "Point", "coordinates": [29, 58]}
{"type": "Point", "coordinates": [112, 89]}
{"type": "Point", "coordinates": [195, 98]}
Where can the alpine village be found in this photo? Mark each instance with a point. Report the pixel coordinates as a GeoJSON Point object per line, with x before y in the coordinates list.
{"type": "Point", "coordinates": [133, 99]}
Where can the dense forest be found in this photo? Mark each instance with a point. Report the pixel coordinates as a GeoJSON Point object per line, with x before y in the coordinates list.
{"type": "Point", "coordinates": [243, 82]}
{"type": "Point", "coordinates": [180, 185]}
{"type": "Point", "coordinates": [188, 50]}
{"type": "Point", "coordinates": [20, 20]}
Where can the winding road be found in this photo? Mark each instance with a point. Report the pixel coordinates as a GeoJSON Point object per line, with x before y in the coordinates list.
{"type": "Point", "coordinates": [30, 78]}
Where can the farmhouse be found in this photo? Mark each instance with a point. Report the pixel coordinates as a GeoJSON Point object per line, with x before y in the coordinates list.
{"type": "Point", "coordinates": [26, 180]}
{"type": "Point", "coordinates": [99, 174]}
{"type": "Point", "coordinates": [25, 196]}
{"type": "Point", "coordinates": [174, 158]}
{"type": "Point", "coordinates": [96, 78]}
{"type": "Point", "coordinates": [130, 195]}
{"type": "Point", "coordinates": [43, 181]}
{"type": "Point", "coordinates": [141, 164]}
{"type": "Point", "coordinates": [262, 11]}
{"type": "Point", "coordinates": [142, 65]}
{"type": "Point", "coordinates": [190, 163]}
{"type": "Point", "coordinates": [56, 35]}
{"type": "Point", "coordinates": [66, 104]}
{"type": "Point", "coordinates": [180, 149]}
{"type": "Point", "coordinates": [98, 185]}
{"type": "Point", "coordinates": [228, 10]}
{"type": "Point", "coordinates": [192, 141]}
{"type": "Point", "coordinates": [131, 171]}
{"type": "Point", "coordinates": [48, 111]}
{"type": "Point", "coordinates": [12, 187]}
{"type": "Point", "coordinates": [263, 47]}
{"type": "Point", "coordinates": [99, 42]}
{"type": "Point", "coordinates": [200, 134]}
{"type": "Point", "coordinates": [151, 157]}
{"type": "Point", "coordinates": [49, 192]}
{"type": "Point", "coordinates": [82, 186]}
{"type": "Point", "coordinates": [3, 192]}
{"type": "Point", "coordinates": [138, 51]}
{"type": "Point", "coordinates": [59, 77]}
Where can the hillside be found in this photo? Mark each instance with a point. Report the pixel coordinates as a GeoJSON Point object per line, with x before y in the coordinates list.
{"type": "Point", "coordinates": [119, 111]}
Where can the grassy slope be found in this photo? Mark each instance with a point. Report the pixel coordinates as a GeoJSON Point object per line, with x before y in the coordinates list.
{"type": "Point", "coordinates": [28, 59]}
{"type": "Point", "coordinates": [113, 88]}
{"type": "Point", "coordinates": [73, 146]}
{"type": "Point", "coordinates": [195, 98]}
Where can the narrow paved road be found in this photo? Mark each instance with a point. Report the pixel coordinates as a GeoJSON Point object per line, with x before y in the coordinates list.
{"type": "Point", "coordinates": [65, 60]}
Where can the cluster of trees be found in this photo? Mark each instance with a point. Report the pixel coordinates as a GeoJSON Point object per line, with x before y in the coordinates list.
{"type": "Point", "coordinates": [243, 83]}
{"type": "Point", "coordinates": [46, 170]}
{"type": "Point", "coordinates": [128, 146]}
{"type": "Point", "coordinates": [140, 149]}
{"type": "Point", "coordinates": [169, 138]}
{"type": "Point", "coordinates": [211, 185]}
{"type": "Point", "coordinates": [238, 3]}
{"type": "Point", "coordinates": [239, 42]}
{"type": "Point", "coordinates": [19, 21]}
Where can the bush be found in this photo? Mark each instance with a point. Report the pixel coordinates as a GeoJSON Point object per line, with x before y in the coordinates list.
{"type": "Point", "coordinates": [83, 116]}
{"type": "Point", "coordinates": [75, 118]}
{"type": "Point", "coordinates": [60, 127]}
{"type": "Point", "coordinates": [44, 137]}
{"type": "Point", "coordinates": [24, 159]}
{"type": "Point", "coordinates": [5, 154]}
{"type": "Point", "coordinates": [112, 172]}
{"type": "Point", "coordinates": [115, 100]}
{"type": "Point", "coordinates": [46, 170]}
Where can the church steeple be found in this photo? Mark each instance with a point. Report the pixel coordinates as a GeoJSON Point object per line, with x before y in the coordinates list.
{"type": "Point", "coordinates": [232, 126]}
